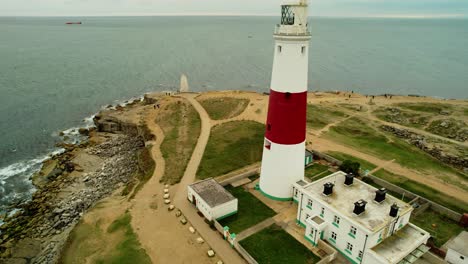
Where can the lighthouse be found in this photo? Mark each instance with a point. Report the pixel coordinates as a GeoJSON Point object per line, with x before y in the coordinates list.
{"type": "Point", "coordinates": [284, 144]}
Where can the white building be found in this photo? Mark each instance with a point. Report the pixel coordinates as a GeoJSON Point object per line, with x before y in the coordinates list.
{"type": "Point", "coordinates": [351, 220]}
{"type": "Point", "coordinates": [458, 249]}
{"type": "Point", "coordinates": [211, 199]}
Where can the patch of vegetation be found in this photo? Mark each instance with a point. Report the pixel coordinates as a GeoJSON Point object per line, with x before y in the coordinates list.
{"type": "Point", "coordinates": [146, 166]}
{"type": "Point", "coordinates": [251, 211]}
{"type": "Point", "coordinates": [423, 190]}
{"type": "Point", "coordinates": [181, 126]}
{"type": "Point", "coordinates": [273, 245]}
{"type": "Point", "coordinates": [319, 116]}
{"type": "Point", "coordinates": [128, 250]}
{"type": "Point", "coordinates": [398, 116]}
{"type": "Point", "coordinates": [231, 146]}
{"type": "Point", "coordinates": [316, 169]}
{"type": "Point", "coordinates": [350, 166]}
{"type": "Point", "coordinates": [449, 128]}
{"type": "Point", "coordinates": [88, 243]}
{"type": "Point", "coordinates": [357, 134]}
{"type": "Point", "coordinates": [433, 108]}
{"type": "Point", "coordinates": [224, 107]}
{"type": "Point", "coordinates": [441, 227]}
{"type": "Point", "coordinates": [365, 165]}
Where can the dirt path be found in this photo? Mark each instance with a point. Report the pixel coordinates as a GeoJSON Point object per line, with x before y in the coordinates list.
{"type": "Point", "coordinates": [323, 145]}
{"type": "Point", "coordinates": [213, 238]}
{"type": "Point", "coordinates": [159, 231]}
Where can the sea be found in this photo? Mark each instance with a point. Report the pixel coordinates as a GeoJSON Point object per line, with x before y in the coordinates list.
{"type": "Point", "coordinates": [54, 77]}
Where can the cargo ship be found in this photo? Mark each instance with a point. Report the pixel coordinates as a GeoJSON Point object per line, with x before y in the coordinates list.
{"type": "Point", "coordinates": [73, 23]}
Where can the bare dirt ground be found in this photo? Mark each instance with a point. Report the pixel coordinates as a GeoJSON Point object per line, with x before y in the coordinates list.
{"type": "Point", "coordinates": [161, 234]}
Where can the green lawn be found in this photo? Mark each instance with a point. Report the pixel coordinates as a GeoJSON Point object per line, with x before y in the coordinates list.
{"type": "Point", "coordinates": [320, 116]}
{"type": "Point", "coordinates": [89, 243]}
{"type": "Point", "coordinates": [273, 245]}
{"type": "Point", "coordinates": [251, 211]}
{"type": "Point", "coordinates": [312, 172]}
{"type": "Point", "coordinates": [224, 107]}
{"type": "Point", "coordinates": [181, 126]}
{"type": "Point", "coordinates": [365, 165]}
{"type": "Point", "coordinates": [440, 227]}
{"type": "Point", "coordinates": [423, 190]}
{"type": "Point", "coordinates": [231, 146]}
{"type": "Point", "coordinates": [357, 134]}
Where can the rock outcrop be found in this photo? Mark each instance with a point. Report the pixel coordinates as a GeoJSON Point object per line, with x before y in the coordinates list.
{"type": "Point", "coordinates": [420, 142]}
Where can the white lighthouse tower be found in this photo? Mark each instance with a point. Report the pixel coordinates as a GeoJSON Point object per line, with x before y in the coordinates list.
{"type": "Point", "coordinates": [284, 146]}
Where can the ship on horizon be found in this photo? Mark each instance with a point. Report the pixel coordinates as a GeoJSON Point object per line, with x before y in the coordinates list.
{"type": "Point", "coordinates": [74, 23]}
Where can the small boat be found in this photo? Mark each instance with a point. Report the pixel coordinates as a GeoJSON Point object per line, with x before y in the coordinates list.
{"type": "Point", "coordinates": [73, 23]}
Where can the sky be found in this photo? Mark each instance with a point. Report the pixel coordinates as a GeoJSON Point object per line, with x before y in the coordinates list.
{"type": "Point", "coordinates": [328, 8]}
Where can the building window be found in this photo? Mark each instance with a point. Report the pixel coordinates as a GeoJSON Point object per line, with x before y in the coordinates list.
{"type": "Point", "coordinates": [322, 212]}
{"type": "Point", "coordinates": [312, 232]}
{"type": "Point", "coordinates": [336, 220]}
{"type": "Point", "coordinates": [349, 247]}
{"type": "Point", "coordinates": [307, 216]}
{"type": "Point", "coordinates": [360, 254]}
{"type": "Point", "coordinates": [295, 193]}
{"type": "Point", "coordinates": [279, 48]}
{"type": "Point", "coordinates": [353, 230]}
{"type": "Point", "coordinates": [333, 236]}
{"type": "Point", "coordinates": [462, 257]}
{"type": "Point", "coordinates": [303, 49]}
{"type": "Point", "coordinates": [309, 203]}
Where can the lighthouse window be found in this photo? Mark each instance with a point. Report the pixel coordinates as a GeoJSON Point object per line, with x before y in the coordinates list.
{"type": "Point", "coordinates": [287, 15]}
{"type": "Point", "coordinates": [303, 49]}
{"type": "Point", "coordinates": [279, 48]}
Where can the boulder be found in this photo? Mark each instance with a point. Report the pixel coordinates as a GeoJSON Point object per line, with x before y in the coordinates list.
{"type": "Point", "coordinates": [211, 253]}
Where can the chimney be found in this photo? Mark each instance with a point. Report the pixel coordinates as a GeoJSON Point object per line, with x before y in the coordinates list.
{"type": "Point", "coordinates": [349, 178]}
{"type": "Point", "coordinates": [359, 207]}
{"type": "Point", "coordinates": [380, 195]}
{"type": "Point", "coordinates": [394, 210]}
{"type": "Point", "coordinates": [328, 188]}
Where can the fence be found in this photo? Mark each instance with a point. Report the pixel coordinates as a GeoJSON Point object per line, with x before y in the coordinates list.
{"type": "Point", "coordinates": [236, 245]}
{"type": "Point", "coordinates": [244, 253]}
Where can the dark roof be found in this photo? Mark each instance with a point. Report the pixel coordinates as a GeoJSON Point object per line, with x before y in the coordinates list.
{"type": "Point", "coordinates": [212, 192]}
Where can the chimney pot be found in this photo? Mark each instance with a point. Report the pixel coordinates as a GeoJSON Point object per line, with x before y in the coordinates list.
{"type": "Point", "coordinates": [359, 207]}
{"type": "Point", "coordinates": [328, 188]}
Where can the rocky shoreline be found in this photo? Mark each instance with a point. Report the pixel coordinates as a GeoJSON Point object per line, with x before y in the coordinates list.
{"type": "Point", "coordinates": [71, 183]}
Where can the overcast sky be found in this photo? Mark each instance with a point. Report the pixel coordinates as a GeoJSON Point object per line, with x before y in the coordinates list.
{"type": "Point", "coordinates": [389, 8]}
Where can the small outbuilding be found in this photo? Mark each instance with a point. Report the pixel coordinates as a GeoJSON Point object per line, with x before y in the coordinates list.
{"type": "Point", "coordinates": [211, 199]}
{"type": "Point", "coordinates": [457, 252]}
{"type": "Point", "coordinates": [309, 157]}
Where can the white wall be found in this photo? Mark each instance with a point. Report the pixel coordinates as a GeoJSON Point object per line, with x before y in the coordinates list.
{"type": "Point", "coordinates": [201, 205]}
{"type": "Point", "coordinates": [342, 230]}
{"type": "Point", "coordinates": [282, 166]}
{"type": "Point", "coordinates": [290, 66]}
{"type": "Point", "coordinates": [453, 257]}
{"type": "Point", "coordinates": [224, 209]}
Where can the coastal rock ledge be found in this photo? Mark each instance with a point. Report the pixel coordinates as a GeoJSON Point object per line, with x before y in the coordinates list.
{"type": "Point", "coordinates": [68, 185]}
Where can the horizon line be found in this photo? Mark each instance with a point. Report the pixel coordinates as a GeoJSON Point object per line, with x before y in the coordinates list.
{"type": "Point", "coordinates": [407, 16]}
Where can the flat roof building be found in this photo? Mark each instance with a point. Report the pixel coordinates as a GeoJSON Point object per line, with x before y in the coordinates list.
{"type": "Point", "coordinates": [211, 199]}
{"type": "Point", "coordinates": [457, 252]}
{"type": "Point", "coordinates": [362, 222]}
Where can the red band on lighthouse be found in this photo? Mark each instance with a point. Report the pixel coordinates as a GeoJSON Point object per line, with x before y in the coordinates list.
{"type": "Point", "coordinates": [286, 121]}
